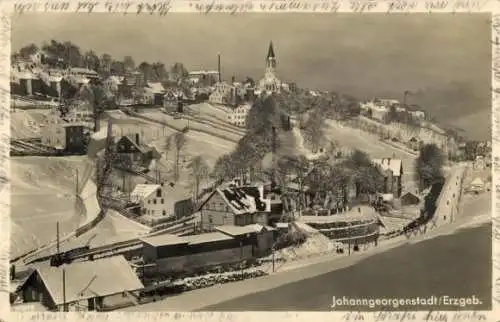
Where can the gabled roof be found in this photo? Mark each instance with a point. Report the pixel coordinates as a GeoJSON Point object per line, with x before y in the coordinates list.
{"type": "Point", "coordinates": [394, 165]}
{"type": "Point", "coordinates": [142, 191]}
{"type": "Point", "coordinates": [244, 200]}
{"type": "Point", "coordinates": [477, 182]}
{"type": "Point", "coordinates": [140, 147]}
{"type": "Point", "coordinates": [409, 193]}
{"type": "Point", "coordinates": [89, 279]}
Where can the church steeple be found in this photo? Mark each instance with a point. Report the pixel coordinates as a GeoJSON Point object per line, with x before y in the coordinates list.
{"type": "Point", "coordinates": [271, 57]}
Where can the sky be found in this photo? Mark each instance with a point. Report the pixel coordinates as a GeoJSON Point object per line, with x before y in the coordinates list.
{"type": "Point", "coordinates": [443, 59]}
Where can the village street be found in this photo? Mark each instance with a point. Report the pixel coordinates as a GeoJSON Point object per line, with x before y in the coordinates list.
{"type": "Point", "coordinates": [394, 271]}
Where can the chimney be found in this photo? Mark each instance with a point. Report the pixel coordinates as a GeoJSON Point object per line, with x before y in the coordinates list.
{"type": "Point", "coordinates": [218, 67]}
{"type": "Point", "coordinates": [137, 138]}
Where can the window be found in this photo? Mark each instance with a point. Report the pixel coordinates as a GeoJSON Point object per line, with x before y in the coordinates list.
{"type": "Point", "coordinates": [210, 219]}
{"type": "Point", "coordinates": [154, 201]}
{"type": "Point", "coordinates": [149, 201]}
{"type": "Point", "coordinates": [162, 201]}
{"type": "Point", "coordinates": [152, 212]}
{"type": "Point", "coordinates": [164, 212]}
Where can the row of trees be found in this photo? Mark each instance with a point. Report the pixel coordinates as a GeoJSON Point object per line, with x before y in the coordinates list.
{"type": "Point", "coordinates": [67, 54]}
{"type": "Point", "coordinates": [429, 166]}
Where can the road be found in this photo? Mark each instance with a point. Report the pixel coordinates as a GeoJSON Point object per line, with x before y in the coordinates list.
{"type": "Point", "coordinates": [445, 265]}
{"type": "Point", "coordinates": [421, 267]}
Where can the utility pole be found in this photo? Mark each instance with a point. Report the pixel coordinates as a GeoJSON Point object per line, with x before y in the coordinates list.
{"type": "Point", "coordinates": [57, 241]}
{"type": "Point", "coordinates": [241, 257]}
{"type": "Point", "coordinates": [77, 183]}
{"type": "Point", "coordinates": [65, 307]}
{"type": "Point", "coordinates": [273, 257]}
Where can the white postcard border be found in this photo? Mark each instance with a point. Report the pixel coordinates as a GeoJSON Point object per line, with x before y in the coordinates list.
{"type": "Point", "coordinates": [164, 8]}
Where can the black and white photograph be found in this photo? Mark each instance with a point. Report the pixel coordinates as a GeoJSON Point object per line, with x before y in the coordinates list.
{"type": "Point", "coordinates": [250, 162]}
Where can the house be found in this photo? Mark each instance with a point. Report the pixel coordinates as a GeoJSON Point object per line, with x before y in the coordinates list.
{"type": "Point", "coordinates": [172, 101]}
{"type": "Point", "coordinates": [237, 206]}
{"type": "Point", "coordinates": [81, 285]}
{"type": "Point", "coordinates": [134, 79]}
{"type": "Point", "coordinates": [172, 254]}
{"type": "Point", "coordinates": [409, 199]}
{"type": "Point", "coordinates": [260, 237]}
{"type": "Point", "coordinates": [64, 136]}
{"type": "Point", "coordinates": [165, 200]}
{"type": "Point", "coordinates": [392, 170]}
{"type": "Point", "coordinates": [476, 186]}
{"type": "Point", "coordinates": [203, 77]}
{"type": "Point", "coordinates": [158, 92]}
{"type": "Point", "coordinates": [131, 152]}
{"type": "Point", "coordinates": [223, 94]}
{"type": "Point", "coordinates": [417, 115]}
{"type": "Point", "coordinates": [479, 162]}
{"type": "Point", "coordinates": [82, 73]}
{"type": "Point", "coordinates": [238, 115]}
{"type": "Point", "coordinates": [112, 84]}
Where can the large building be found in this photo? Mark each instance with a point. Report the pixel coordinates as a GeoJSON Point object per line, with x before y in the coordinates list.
{"type": "Point", "coordinates": [270, 83]}
{"type": "Point", "coordinates": [237, 206]}
{"type": "Point", "coordinates": [223, 94]}
{"type": "Point", "coordinates": [392, 170]}
{"type": "Point", "coordinates": [238, 115]}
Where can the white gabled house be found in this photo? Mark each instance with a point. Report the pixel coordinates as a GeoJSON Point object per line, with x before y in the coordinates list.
{"type": "Point", "coordinates": [151, 200]}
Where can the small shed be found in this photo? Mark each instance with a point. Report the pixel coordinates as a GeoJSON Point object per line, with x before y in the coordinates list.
{"type": "Point", "coordinates": [477, 184]}
{"type": "Point", "coordinates": [163, 246]}
{"type": "Point", "coordinates": [409, 198]}
{"type": "Point", "coordinates": [260, 237]}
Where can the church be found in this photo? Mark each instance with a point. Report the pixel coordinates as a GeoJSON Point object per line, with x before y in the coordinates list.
{"type": "Point", "coordinates": [270, 83]}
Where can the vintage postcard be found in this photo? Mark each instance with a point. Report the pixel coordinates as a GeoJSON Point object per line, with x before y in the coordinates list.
{"type": "Point", "coordinates": [322, 161]}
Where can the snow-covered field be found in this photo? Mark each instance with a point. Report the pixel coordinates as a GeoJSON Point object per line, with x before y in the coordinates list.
{"type": "Point", "coordinates": [357, 139]}
{"type": "Point", "coordinates": [26, 124]}
{"type": "Point", "coordinates": [43, 192]}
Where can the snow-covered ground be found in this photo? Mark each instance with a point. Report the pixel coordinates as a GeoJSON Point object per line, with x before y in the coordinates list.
{"type": "Point", "coordinates": [366, 142]}
{"type": "Point", "coordinates": [43, 192]}
{"type": "Point", "coordinates": [26, 124]}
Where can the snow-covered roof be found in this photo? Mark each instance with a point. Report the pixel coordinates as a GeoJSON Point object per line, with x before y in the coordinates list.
{"type": "Point", "coordinates": [156, 88]}
{"type": "Point", "coordinates": [142, 191]}
{"type": "Point", "coordinates": [89, 279]}
{"type": "Point", "coordinates": [241, 230]}
{"type": "Point", "coordinates": [244, 200]}
{"type": "Point", "coordinates": [477, 182]}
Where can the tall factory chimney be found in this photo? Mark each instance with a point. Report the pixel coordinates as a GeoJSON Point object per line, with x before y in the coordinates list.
{"type": "Point", "coordinates": [218, 67]}
{"type": "Point", "coordinates": [274, 155]}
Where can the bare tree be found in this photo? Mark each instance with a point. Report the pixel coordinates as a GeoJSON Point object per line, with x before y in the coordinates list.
{"type": "Point", "coordinates": [179, 141]}
{"type": "Point", "coordinates": [199, 172]}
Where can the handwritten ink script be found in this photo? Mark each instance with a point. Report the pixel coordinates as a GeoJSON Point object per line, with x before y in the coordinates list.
{"type": "Point", "coordinates": [229, 6]}
{"type": "Point", "coordinates": [161, 8]}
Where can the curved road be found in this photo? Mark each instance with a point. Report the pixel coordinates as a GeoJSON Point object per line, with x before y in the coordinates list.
{"type": "Point", "coordinates": [457, 265]}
